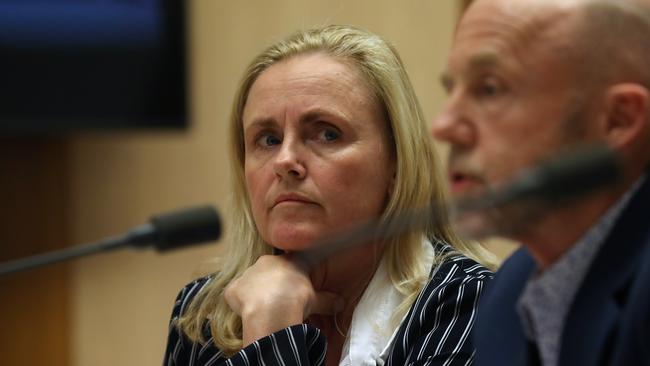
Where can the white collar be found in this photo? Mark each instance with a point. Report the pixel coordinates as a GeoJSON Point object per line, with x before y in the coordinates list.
{"type": "Point", "coordinates": [373, 328]}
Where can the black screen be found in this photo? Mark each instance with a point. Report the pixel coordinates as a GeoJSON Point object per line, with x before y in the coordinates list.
{"type": "Point", "coordinates": [67, 65]}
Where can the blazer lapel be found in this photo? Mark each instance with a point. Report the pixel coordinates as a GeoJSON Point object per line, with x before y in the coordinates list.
{"type": "Point", "coordinates": [594, 315]}
{"type": "Point", "coordinates": [499, 336]}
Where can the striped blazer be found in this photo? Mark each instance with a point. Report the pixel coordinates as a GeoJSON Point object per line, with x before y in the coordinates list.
{"type": "Point", "coordinates": [435, 331]}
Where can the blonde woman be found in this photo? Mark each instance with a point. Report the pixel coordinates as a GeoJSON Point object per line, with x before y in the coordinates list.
{"type": "Point", "coordinates": [326, 133]}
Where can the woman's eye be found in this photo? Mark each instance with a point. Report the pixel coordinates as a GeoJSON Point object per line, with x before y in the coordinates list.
{"type": "Point", "coordinates": [269, 140]}
{"type": "Point", "coordinates": [328, 135]}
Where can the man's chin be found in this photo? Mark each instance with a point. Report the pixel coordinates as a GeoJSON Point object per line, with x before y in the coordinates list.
{"type": "Point", "coordinates": [469, 194]}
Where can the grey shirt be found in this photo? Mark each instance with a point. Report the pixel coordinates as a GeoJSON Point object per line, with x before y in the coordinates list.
{"type": "Point", "coordinates": [547, 297]}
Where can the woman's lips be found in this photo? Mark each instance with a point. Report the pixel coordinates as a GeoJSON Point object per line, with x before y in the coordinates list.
{"type": "Point", "coordinates": [291, 198]}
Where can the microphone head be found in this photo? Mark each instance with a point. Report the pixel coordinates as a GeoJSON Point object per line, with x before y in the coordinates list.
{"type": "Point", "coordinates": [518, 204]}
{"type": "Point", "coordinates": [572, 174]}
{"type": "Point", "coordinates": [190, 226]}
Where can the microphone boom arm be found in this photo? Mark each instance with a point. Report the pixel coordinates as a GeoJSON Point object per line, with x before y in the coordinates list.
{"type": "Point", "coordinates": [567, 176]}
{"type": "Point", "coordinates": [165, 232]}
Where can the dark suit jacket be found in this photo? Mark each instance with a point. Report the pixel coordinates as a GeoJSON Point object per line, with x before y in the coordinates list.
{"type": "Point", "coordinates": [434, 332]}
{"type": "Point", "coordinates": [609, 320]}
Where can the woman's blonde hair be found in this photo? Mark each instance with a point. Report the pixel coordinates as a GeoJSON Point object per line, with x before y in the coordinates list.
{"type": "Point", "coordinates": [417, 178]}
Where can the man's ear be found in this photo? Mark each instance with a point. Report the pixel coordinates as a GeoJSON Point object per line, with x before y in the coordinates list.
{"type": "Point", "coordinates": [627, 107]}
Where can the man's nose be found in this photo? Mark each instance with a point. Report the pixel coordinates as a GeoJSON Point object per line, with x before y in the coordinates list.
{"type": "Point", "coordinates": [454, 124]}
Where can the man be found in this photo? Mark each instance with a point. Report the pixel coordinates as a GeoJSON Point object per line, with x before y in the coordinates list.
{"type": "Point", "coordinates": [527, 79]}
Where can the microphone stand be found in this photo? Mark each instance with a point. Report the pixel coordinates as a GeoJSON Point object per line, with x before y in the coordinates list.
{"type": "Point", "coordinates": [103, 245]}
{"type": "Point", "coordinates": [165, 232]}
{"type": "Point", "coordinates": [567, 177]}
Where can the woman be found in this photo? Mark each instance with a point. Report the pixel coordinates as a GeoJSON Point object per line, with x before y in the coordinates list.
{"type": "Point", "coordinates": [326, 133]}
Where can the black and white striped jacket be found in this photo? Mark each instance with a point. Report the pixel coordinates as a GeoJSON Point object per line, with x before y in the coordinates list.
{"type": "Point", "coordinates": [434, 332]}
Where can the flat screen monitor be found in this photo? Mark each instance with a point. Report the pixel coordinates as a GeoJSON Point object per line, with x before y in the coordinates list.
{"type": "Point", "coordinates": [68, 65]}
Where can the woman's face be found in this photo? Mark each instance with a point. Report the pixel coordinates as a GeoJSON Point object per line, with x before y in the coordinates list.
{"type": "Point", "coordinates": [318, 156]}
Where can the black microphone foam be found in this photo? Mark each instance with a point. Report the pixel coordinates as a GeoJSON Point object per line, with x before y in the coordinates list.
{"type": "Point", "coordinates": [164, 232]}
{"type": "Point", "coordinates": [568, 175]}
{"type": "Point", "coordinates": [191, 226]}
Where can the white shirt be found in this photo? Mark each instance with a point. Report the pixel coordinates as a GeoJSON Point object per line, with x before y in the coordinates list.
{"type": "Point", "coordinates": [373, 328]}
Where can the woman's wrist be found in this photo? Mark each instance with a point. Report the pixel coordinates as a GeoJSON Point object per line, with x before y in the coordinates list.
{"type": "Point", "coordinates": [259, 324]}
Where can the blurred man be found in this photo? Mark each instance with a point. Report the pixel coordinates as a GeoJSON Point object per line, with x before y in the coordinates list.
{"type": "Point", "coordinates": [527, 79]}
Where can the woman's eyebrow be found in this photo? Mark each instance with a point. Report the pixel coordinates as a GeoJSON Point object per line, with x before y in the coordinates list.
{"type": "Point", "coordinates": [262, 122]}
{"type": "Point", "coordinates": [320, 113]}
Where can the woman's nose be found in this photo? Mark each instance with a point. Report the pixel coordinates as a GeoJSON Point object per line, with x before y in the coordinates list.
{"type": "Point", "coordinates": [289, 160]}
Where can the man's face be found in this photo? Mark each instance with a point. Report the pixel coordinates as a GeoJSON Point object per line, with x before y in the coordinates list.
{"type": "Point", "coordinates": [512, 101]}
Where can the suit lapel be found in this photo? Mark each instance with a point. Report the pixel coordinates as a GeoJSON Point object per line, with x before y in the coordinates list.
{"type": "Point", "coordinates": [499, 336]}
{"type": "Point", "coordinates": [594, 315]}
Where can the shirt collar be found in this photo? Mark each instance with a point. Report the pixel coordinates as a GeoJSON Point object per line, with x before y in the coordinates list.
{"type": "Point", "coordinates": [547, 297]}
{"type": "Point", "coordinates": [373, 326]}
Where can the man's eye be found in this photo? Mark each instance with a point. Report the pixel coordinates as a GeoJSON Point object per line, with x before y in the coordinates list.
{"type": "Point", "coordinates": [489, 87]}
{"type": "Point", "coordinates": [447, 83]}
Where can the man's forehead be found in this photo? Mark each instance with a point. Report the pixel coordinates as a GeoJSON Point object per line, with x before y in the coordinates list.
{"type": "Point", "coordinates": [491, 28]}
{"type": "Point", "coordinates": [523, 11]}
{"type": "Point", "coordinates": [516, 6]}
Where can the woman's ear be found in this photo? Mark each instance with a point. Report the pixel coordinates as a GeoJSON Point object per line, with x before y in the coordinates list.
{"type": "Point", "coordinates": [627, 107]}
{"type": "Point", "coordinates": [391, 184]}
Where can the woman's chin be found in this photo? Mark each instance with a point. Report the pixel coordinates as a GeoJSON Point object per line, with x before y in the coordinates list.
{"type": "Point", "coordinates": [293, 240]}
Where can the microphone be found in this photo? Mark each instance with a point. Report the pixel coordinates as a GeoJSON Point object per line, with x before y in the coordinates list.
{"type": "Point", "coordinates": [511, 208]}
{"type": "Point", "coordinates": [164, 232]}
{"type": "Point", "coordinates": [569, 175]}
{"type": "Point", "coordinates": [176, 229]}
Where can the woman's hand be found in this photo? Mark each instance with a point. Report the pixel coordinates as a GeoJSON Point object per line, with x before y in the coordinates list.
{"type": "Point", "coordinates": [276, 293]}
